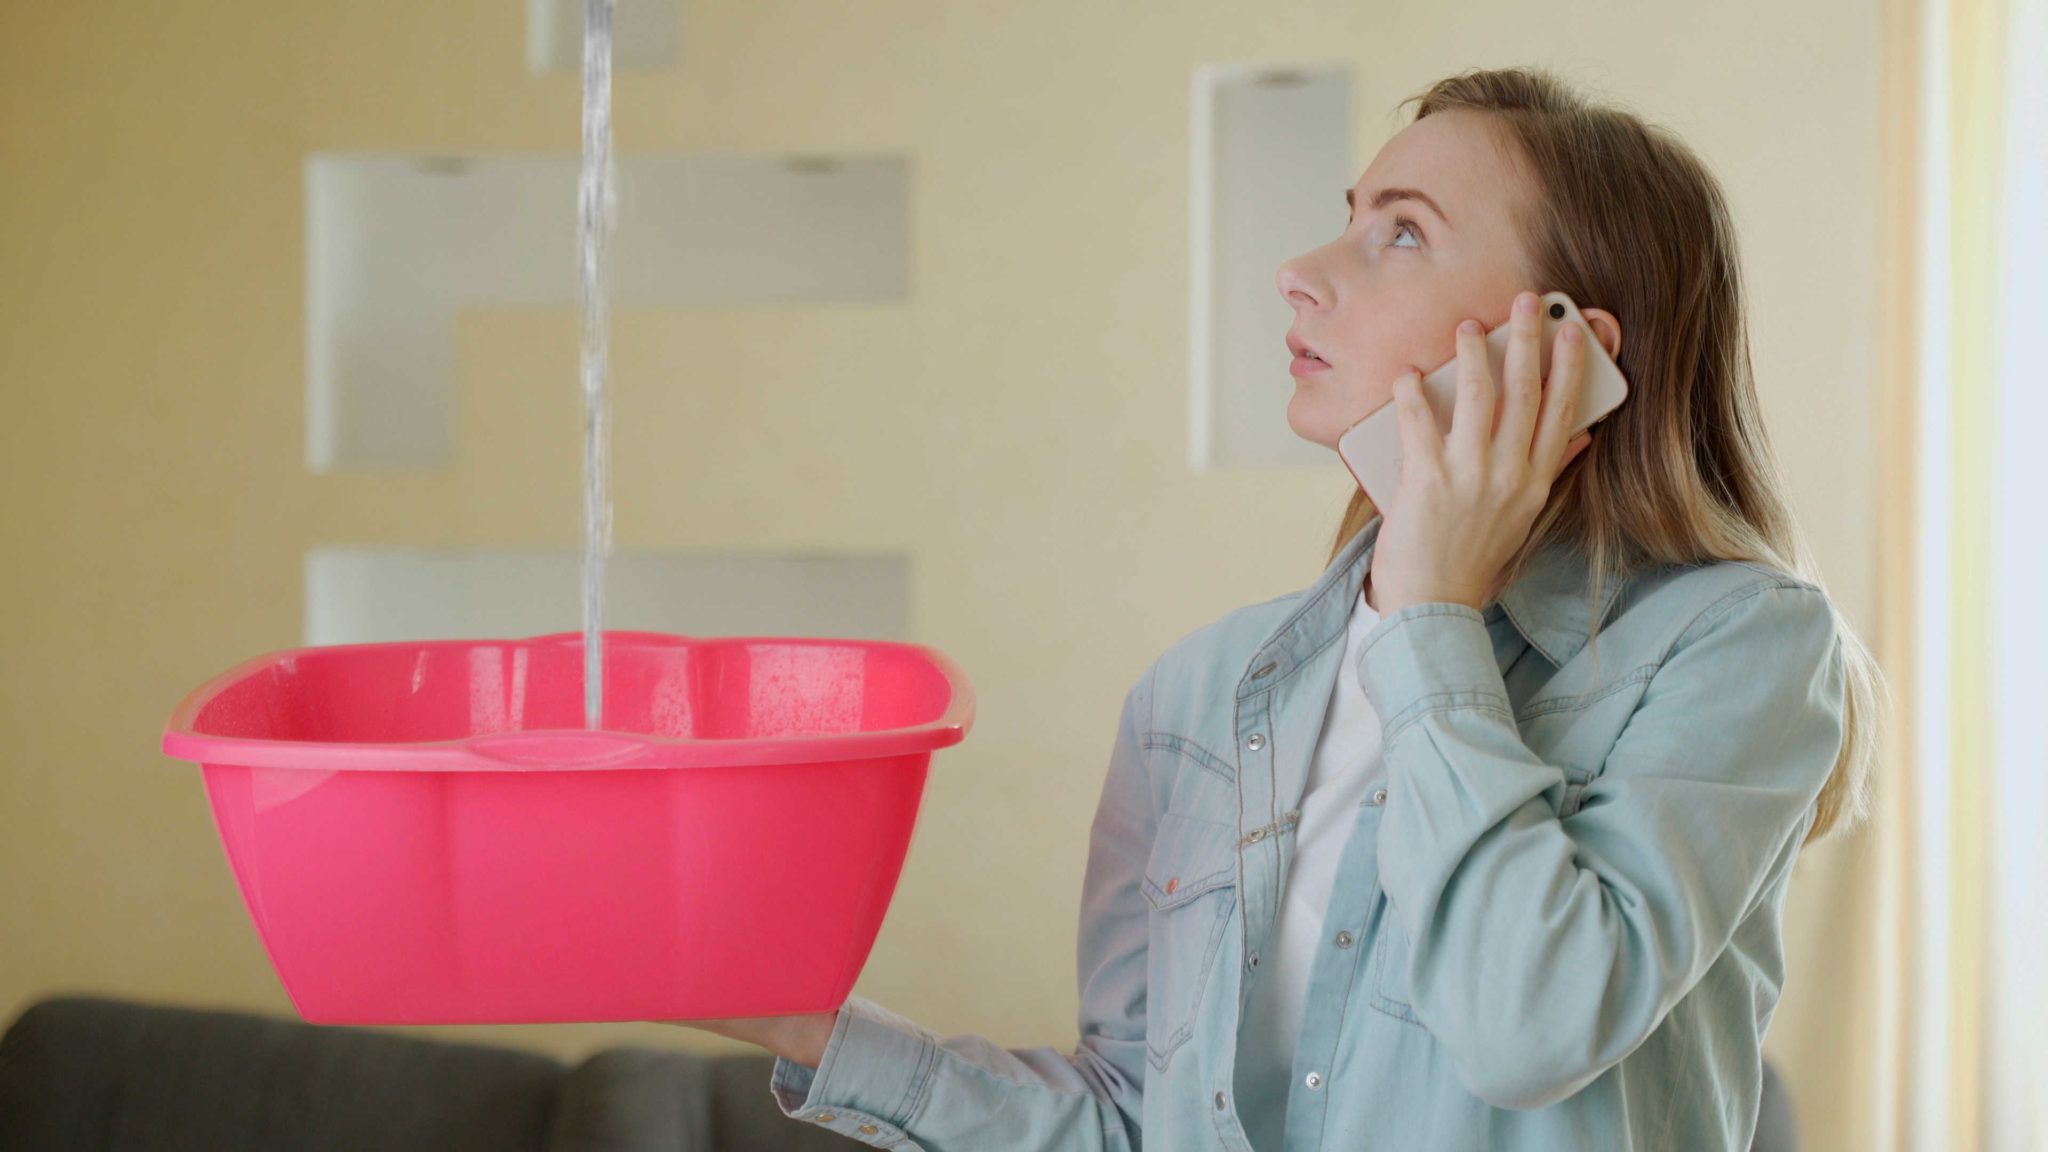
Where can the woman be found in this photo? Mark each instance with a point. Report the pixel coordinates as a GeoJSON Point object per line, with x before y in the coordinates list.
{"type": "Point", "coordinates": [1405, 860]}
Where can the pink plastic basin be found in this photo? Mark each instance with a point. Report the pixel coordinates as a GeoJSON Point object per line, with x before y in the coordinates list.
{"type": "Point", "coordinates": [425, 832]}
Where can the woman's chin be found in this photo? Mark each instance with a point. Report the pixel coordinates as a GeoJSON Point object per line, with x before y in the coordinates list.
{"type": "Point", "coordinates": [1311, 426]}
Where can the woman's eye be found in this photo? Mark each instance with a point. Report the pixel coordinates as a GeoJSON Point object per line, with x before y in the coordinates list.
{"type": "Point", "coordinates": [1401, 226]}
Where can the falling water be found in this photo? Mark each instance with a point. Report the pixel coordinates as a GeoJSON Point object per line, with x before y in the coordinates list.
{"type": "Point", "coordinates": [595, 207]}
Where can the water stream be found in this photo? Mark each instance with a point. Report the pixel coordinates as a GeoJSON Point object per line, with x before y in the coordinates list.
{"type": "Point", "coordinates": [595, 210]}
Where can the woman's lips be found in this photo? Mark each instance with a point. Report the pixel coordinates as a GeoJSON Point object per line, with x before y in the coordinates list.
{"type": "Point", "coordinates": [1303, 365]}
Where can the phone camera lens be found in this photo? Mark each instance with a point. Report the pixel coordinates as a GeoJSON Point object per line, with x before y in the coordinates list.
{"type": "Point", "coordinates": [1557, 311]}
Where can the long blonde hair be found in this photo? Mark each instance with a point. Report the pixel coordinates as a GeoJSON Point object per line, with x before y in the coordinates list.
{"type": "Point", "coordinates": [1625, 217]}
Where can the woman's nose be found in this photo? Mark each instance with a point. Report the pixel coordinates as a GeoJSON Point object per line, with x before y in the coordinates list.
{"type": "Point", "coordinates": [1296, 287]}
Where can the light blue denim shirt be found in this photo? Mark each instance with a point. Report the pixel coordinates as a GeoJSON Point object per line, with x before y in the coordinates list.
{"type": "Point", "coordinates": [1558, 928]}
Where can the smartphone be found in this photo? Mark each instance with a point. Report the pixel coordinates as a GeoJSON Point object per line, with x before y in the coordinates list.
{"type": "Point", "coordinates": [1371, 448]}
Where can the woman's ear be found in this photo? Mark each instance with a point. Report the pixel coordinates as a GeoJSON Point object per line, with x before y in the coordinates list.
{"type": "Point", "coordinates": [1606, 327]}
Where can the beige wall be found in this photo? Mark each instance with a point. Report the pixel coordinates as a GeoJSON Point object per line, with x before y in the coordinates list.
{"type": "Point", "coordinates": [1017, 427]}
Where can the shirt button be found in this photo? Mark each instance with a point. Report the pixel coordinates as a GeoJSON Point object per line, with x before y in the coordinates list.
{"type": "Point", "coordinates": [868, 1129]}
{"type": "Point", "coordinates": [1314, 1080]}
{"type": "Point", "coordinates": [826, 1117]}
{"type": "Point", "coordinates": [1380, 797]}
{"type": "Point", "coordinates": [1219, 1101]}
{"type": "Point", "coordinates": [1257, 834]}
{"type": "Point", "coordinates": [1257, 741]}
{"type": "Point", "coordinates": [1343, 939]}
{"type": "Point", "coordinates": [1253, 962]}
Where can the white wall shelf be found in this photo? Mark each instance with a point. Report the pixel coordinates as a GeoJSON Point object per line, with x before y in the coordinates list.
{"type": "Point", "coordinates": [646, 35]}
{"type": "Point", "coordinates": [396, 246]}
{"type": "Point", "coordinates": [363, 595]}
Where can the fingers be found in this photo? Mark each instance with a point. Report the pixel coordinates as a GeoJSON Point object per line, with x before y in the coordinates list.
{"type": "Point", "coordinates": [1560, 402]}
{"type": "Point", "coordinates": [1522, 388]}
{"type": "Point", "coordinates": [1472, 414]}
{"type": "Point", "coordinates": [1421, 443]}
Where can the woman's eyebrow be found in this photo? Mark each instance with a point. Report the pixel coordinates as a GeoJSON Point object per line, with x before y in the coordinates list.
{"type": "Point", "coordinates": [1386, 196]}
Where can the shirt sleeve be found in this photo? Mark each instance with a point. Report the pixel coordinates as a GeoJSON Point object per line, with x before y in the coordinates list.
{"type": "Point", "coordinates": [888, 1082]}
{"type": "Point", "coordinates": [1544, 950]}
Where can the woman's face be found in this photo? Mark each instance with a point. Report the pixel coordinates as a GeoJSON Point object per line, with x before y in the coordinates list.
{"type": "Point", "coordinates": [1387, 295]}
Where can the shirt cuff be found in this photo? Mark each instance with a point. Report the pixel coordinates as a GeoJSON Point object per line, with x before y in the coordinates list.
{"type": "Point", "coordinates": [1427, 657]}
{"type": "Point", "coordinates": [871, 1080]}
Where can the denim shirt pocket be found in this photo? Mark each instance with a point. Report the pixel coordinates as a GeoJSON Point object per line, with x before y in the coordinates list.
{"type": "Point", "coordinates": [1191, 883]}
{"type": "Point", "coordinates": [1390, 992]}
{"type": "Point", "coordinates": [1390, 967]}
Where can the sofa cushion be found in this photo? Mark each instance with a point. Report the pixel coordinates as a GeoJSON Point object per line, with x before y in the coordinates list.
{"type": "Point", "coordinates": [82, 1074]}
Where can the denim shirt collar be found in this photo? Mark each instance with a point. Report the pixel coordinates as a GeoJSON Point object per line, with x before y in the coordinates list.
{"type": "Point", "coordinates": [1551, 604]}
{"type": "Point", "coordinates": [1548, 608]}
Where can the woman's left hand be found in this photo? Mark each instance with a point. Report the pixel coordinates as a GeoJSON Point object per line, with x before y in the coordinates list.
{"type": "Point", "coordinates": [1466, 502]}
{"type": "Point", "coordinates": [800, 1038]}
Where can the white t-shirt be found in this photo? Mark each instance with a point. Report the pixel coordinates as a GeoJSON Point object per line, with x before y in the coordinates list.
{"type": "Point", "coordinates": [1347, 766]}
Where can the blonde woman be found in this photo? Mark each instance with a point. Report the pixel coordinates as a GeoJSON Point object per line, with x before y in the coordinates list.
{"type": "Point", "coordinates": [1481, 841]}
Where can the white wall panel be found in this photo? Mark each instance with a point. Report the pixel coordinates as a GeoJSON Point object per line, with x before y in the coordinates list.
{"type": "Point", "coordinates": [1271, 160]}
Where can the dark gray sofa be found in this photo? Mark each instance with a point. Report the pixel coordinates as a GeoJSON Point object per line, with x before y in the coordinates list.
{"type": "Point", "coordinates": [85, 1074]}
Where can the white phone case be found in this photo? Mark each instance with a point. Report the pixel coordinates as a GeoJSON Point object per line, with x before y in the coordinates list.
{"type": "Point", "coordinates": [1372, 447]}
